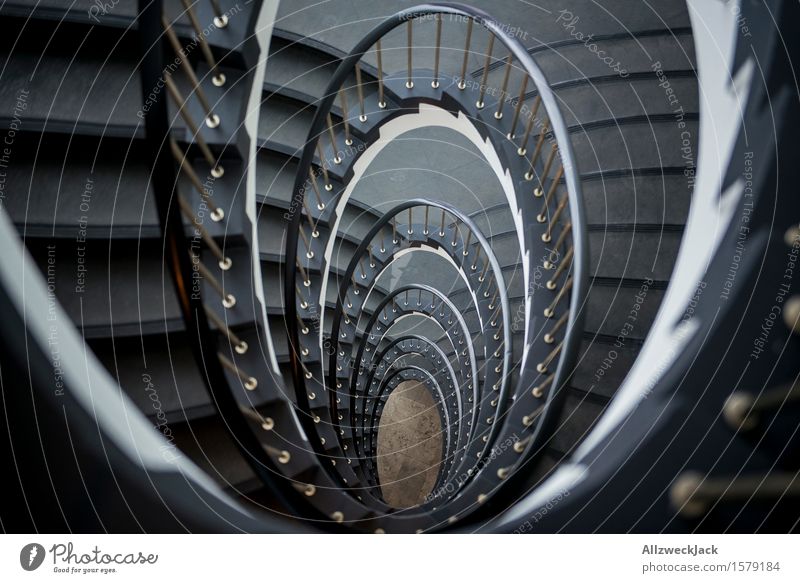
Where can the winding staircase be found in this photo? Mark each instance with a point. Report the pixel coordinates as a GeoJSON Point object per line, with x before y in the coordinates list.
{"type": "Point", "coordinates": [234, 230]}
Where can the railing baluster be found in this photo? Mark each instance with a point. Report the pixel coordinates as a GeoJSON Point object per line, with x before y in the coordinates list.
{"type": "Point", "coordinates": [228, 299]}
{"type": "Point", "coordinates": [482, 276]}
{"type": "Point", "coordinates": [553, 281]}
{"type": "Point", "coordinates": [501, 102]}
{"type": "Point", "coordinates": [554, 252]}
{"type": "Point", "coordinates": [542, 216]}
{"type": "Point", "coordinates": [528, 420]}
{"type": "Point", "coordinates": [535, 156]}
{"type": "Point", "coordinates": [306, 489]}
{"type": "Point", "coordinates": [217, 214]}
{"type": "Point", "coordinates": [311, 223]}
{"type": "Point", "coordinates": [323, 167]}
{"type": "Point", "coordinates": [315, 188]}
{"type": "Point", "coordinates": [693, 494]}
{"type": "Point", "coordinates": [332, 136]}
{"type": "Point", "coordinates": [303, 302]}
{"type": "Point", "coordinates": [493, 320]}
{"type": "Point", "coordinates": [435, 82]}
{"type": "Point", "coordinates": [225, 263]}
{"type": "Point", "coordinates": [538, 391]}
{"type": "Point", "coordinates": [482, 90]}
{"type": "Point", "coordinates": [304, 237]}
{"type": "Point", "coordinates": [493, 300]}
{"type": "Point", "coordinates": [550, 336]}
{"type": "Point", "coordinates": [348, 140]}
{"type": "Point", "coordinates": [518, 108]}
{"type": "Point", "coordinates": [303, 328]}
{"type": "Point", "coordinates": [216, 170]}
{"type": "Point", "coordinates": [220, 18]}
{"type": "Point", "coordinates": [218, 78]}
{"type": "Point", "coordinates": [250, 383]}
{"type": "Point", "coordinates": [791, 314]}
{"type": "Point", "coordinates": [550, 310]}
{"type": "Point", "coordinates": [519, 446]}
{"type": "Point", "coordinates": [303, 274]}
{"type": "Point", "coordinates": [462, 84]}
{"type": "Point", "coordinates": [742, 409]}
{"type": "Point", "coordinates": [562, 204]}
{"type": "Point", "coordinates": [212, 119]}
{"type": "Point", "coordinates": [409, 28]}
{"type": "Point", "coordinates": [381, 99]}
{"type": "Point", "coordinates": [546, 169]}
{"type": "Point", "coordinates": [239, 345]}
{"type": "Point", "coordinates": [523, 147]}
{"type": "Point", "coordinates": [359, 87]}
{"type": "Point", "coordinates": [478, 250]}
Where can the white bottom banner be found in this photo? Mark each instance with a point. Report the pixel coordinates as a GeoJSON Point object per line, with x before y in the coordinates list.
{"type": "Point", "coordinates": [334, 558]}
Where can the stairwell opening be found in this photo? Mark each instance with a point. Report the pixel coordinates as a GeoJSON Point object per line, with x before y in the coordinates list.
{"type": "Point", "coordinates": [409, 445]}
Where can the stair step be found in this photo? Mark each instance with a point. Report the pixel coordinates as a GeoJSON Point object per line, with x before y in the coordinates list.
{"type": "Point", "coordinates": [99, 285]}
{"type": "Point", "coordinates": [168, 390]}
{"type": "Point", "coordinates": [95, 90]}
{"type": "Point", "coordinates": [622, 311]}
{"type": "Point", "coordinates": [80, 188]}
{"type": "Point", "coordinates": [635, 255]}
{"type": "Point", "coordinates": [639, 144]}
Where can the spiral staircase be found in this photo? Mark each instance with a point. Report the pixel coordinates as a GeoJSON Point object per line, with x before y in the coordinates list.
{"type": "Point", "coordinates": [235, 231]}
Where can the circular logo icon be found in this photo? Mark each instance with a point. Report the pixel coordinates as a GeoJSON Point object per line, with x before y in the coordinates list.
{"type": "Point", "coordinates": [31, 556]}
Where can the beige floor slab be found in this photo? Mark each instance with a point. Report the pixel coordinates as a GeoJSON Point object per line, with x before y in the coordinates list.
{"type": "Point", "coordinates": [409, 445]}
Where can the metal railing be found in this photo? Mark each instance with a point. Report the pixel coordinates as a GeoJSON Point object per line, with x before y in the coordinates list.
{"type": "Point", "coordinates": [187, 241]}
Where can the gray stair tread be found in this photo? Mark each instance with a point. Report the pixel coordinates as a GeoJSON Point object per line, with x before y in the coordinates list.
{"type": "Point", "coordinates": [636, 145]}
{"type": "Point", "coordinates": [651, 199]}
{"type": "Point", "coordinates": [284, 121]}
{"type": "Point", "coordinates": [172, 386]}
{"type": "Point", "coordinates": [576, 420]}
{"type": "Point", "coordinates": [275, 175]}
{"type": "Point", "coordinates": [76, 196]}
{"type": "Point", "coordinates": [434, 162]}
{"type": "Point", "coordinates": [283, 70]}
{"type": "Point", "coordinates": [304, 18]}
{"type": "Point", "coordinates": [586, 104]}
{"type": "Point", "coordinates": [631, 255]}
{"type": "Point", "coordinates": [100, 90]}
{"type": "Point", "coordinates": [110, 291]}
{"type": "Point", "coordinates": [601, 366]}
{"type": "Point", "coordinates": [624, 58]}
{"type": "Point", "coordinates": [625, 312]}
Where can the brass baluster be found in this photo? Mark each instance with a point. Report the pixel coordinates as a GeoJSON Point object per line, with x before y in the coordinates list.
{"type": "Point", "coordinates": [435, 82]}
{"type": "Point", "coordinates": [499, 113]}
{"type": "Point", "coordinates": [462, 84]}
{"type": "Point", "coordinates": [482, 90]}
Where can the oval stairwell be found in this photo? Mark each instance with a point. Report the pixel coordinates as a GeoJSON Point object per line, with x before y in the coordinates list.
{"type": "Point", "coordinates": [384, 271]}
